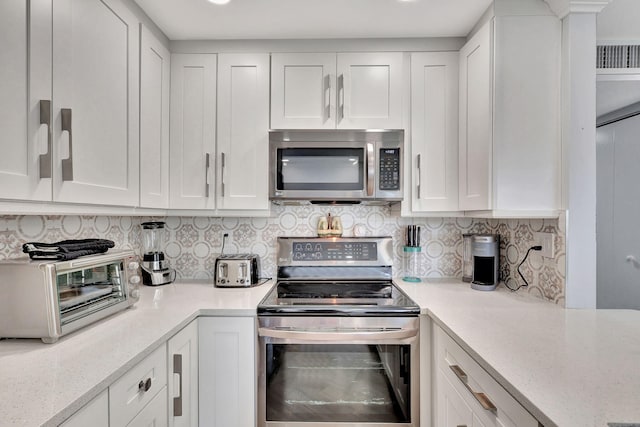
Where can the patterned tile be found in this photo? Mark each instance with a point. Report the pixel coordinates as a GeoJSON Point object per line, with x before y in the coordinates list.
{"type": "Point", "coordinates": [193, 243]}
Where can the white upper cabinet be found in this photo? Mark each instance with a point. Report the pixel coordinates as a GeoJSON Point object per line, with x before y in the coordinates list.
{"type": "Point", "coordinates": [193, 131]}
{"type": "Point", "coordinates": [243, 138]}
{"type": "Point", "coordinates": [25, 104]}
{"type": "Point", "coordinates": [434, 132]}
{"type": "Point", "coordinates": [303, 94]}
{"type": "Point", "coordinates": [509, 117]}
{"type": "Point", "coordinates": [95, 103]}
{"type": "Point", "coordinates": [475, 141]}
{"type": "Point", "coordinates": [154, 121]}
{"type": "Point", "coordinates": [369, 90]}
{"type": "Point", "coordinates": [344, 90]}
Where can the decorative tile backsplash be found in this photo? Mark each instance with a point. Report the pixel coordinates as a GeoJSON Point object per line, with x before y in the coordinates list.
{"type": "Point", "coordinates": [193, 243]}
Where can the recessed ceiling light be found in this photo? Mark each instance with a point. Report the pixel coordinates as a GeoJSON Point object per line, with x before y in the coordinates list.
{"type": "Point", "coordinates": [219, 1]}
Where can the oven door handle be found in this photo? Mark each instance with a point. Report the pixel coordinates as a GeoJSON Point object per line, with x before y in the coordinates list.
{"type": "Point", "coordinates": [315, 335]}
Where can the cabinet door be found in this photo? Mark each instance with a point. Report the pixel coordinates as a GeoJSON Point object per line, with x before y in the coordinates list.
{"type": "Point", "coordinates": [182, 381]}
{"type": "Point", "coordinates": [193, 131]}
{"type": "Point", "coordinates": [476, 137]}
{"type": "Point", "coordinates": [369, 90]}
{"type": "Point", "coordinates": [154, 121]}
{"type": "Point", "coordinates": [434, 131]}
{"type": "Point", "coordinates": [303, 94]}
{"type": "Point", "coordinates": [25, 80]}
{"type": "Point", "coordinates": [243, 125]}
{"type": "Point", "coordinates": [95, 104]}
{"type": "Point", "coordinates": [227, 371]}
{"type": "Point", "coordinates": [94, 413]}
{"type": "Point", "coordinates": [154, 414]}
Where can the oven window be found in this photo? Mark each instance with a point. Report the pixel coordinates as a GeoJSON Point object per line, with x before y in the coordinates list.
{"type": "Point", "coordinates": [320, 169]}
{"type": "Point", "coordinates": [338, 383]}
{"type": "Point", "coordinates": [85, 291]}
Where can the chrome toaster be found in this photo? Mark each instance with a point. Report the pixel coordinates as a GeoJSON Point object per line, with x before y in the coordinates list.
{"type": "Point", "coordinates": [237, 270]}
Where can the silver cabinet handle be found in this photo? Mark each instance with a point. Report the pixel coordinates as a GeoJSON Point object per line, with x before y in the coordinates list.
{"type": "Point", "coordinates": [45, 119]}
{"type": "Point", "coordinates": [67, 164]}
{"type": "Point", "coordinates": [482, 398]}
{"type": "Point", "coordinates": [341, 96]}
{"type": "Point", "coordinates": [223, 165]}
{"type": "Point", "coordinates": [419, 167]}
{"type": "Point", "coordinates": [144, 386]}
{"type": "Point", "coordinates": [207, 164]}
{"type": "Point", "coordinates": [177, 401]}
{"type": "Point", "coordinates": [370, 169]}
{"type": "Point", "coordinates": [327, 93]}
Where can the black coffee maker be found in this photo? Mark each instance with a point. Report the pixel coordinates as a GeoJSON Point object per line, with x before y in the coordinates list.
{"type": "Point", "coordinates": [485, 253]}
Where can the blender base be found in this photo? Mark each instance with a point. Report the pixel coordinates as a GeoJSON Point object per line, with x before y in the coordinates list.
{"type": "Point", "coordinates": [158, 277]}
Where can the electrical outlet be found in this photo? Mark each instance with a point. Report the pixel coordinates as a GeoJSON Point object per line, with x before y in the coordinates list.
{"type": "Point", "coordinates": [546, 241]}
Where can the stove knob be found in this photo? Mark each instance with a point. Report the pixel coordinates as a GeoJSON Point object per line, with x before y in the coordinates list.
{"type": "Point", "coordinates": [133, 265]}
{"type": "Point", "coordinates": [134, 280]}
{"type": "Point", "coordinates": [135, 293]}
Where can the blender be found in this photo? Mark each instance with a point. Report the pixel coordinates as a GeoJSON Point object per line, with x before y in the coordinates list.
{"type": "Point", "coordinates": [155, 270]}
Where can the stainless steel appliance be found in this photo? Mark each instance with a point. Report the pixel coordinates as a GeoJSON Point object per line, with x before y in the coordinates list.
{"type": "Point", "coordinates": [155, 269]}
{"type": "Point", "coordinates": [49, 299]}
{"type": "Point", "coordinates": [237, 270]}
{"type": "Point", "coordinates": [348, 166]}
{"type": "Point", "coordinates": [338, 340]}
{"type": "Point", "coordinates": [485, 252]}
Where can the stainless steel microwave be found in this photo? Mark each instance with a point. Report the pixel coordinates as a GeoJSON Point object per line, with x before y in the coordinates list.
{"type": "Point", "coordinates": [48, 299]}
{"type": "Point", "coordinates": [341, 166]}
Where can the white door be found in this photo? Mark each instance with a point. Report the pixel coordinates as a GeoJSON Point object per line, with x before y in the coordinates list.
{"type": "Point", "coordinates": [193, 131]}
{"type": "Point", "coordinates": [243, 131]}
{"type": "Point", "coordinates": [369, 90]}
{"type": "Point", "coordinates": [25, 85]}
{"type": "Point", "coordinates": [182, 382]}
{"type": "Point", "coordinates": [434, 131]}
{"type": "Point", "coordinates": [155, 70]}
{"type": "Point", "coordinates": [618, 206]}
{"type": "Point", "coordinates": [95, 102]}
{"type": "Point", "coordinates": [303, 90]}
{"type": "Point", "coordinates": [227, 371]}
{"type": "Point", "coordinates": [476, 135]}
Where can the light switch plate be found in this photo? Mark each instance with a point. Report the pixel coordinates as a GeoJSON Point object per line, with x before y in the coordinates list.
{"type": "Point", "coordinates": [546, 240]}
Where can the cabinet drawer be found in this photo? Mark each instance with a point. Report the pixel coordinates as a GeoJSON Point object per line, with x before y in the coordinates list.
{"type": "Point", "coordinates": [487, 399]}
{"type": "Point", "coordinates": [154, 414]}
{"type": "Point", "coordinates": [135, 389]}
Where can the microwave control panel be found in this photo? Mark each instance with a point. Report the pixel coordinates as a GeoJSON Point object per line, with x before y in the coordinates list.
{"type": "Point", "coordinates": [389, 169]}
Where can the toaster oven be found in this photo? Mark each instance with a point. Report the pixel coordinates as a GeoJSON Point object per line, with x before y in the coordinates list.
{"type": "Point", "coordinates": [49, 299]}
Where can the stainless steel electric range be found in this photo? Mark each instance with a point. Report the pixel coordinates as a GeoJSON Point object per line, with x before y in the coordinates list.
{"type": "Point", "coordinates": [339, 341]}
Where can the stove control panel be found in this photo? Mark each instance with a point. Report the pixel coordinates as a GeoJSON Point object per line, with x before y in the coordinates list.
{"type": "Point", "coordinates": [334, 251]}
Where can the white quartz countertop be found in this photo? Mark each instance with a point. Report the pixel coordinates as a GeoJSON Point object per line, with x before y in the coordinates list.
{"type": "Point", "coordinates": [567, 367]}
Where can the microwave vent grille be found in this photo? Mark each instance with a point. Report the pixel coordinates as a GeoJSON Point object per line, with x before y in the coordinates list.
{"type": "Point", "coordinates": [618, 56]}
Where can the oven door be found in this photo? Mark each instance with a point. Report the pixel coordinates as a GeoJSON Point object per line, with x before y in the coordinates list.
{"type": "Point", "coordinates": [338, 371]}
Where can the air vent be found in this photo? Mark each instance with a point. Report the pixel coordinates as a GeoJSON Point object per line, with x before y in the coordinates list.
{"type": "Point", "coordinates": [618, 56]}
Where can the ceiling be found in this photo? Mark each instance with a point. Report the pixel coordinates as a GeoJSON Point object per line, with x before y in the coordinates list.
{"type": "Point", "coordinates": [307, 19]}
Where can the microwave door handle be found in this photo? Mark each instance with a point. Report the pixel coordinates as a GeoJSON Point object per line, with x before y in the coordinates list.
{"type": "Point", "coordinates": [313, 335]}
{"type": "Point", "coordinates": [370, 169]}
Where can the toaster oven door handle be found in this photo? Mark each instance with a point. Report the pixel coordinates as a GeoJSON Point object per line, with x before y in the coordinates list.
{"type": "Point", "coordinates": [372, 334]}
{"type": "Point", "coordinates": [370, 169]}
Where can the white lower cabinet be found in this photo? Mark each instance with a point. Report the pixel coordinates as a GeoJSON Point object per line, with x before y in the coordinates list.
{"type": "Point", "coordinates": [94, 413]}
{"type": "Point", "coordinates": [183, 377]}
{"type": "Point", "coordinates": [154, 414]}
{"type": "Point", "coordinates": [137, 388]}
{"type": "Point", "coordinates": [227, 371]}
{"type": "Point", "coordinates": [466, 395]}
